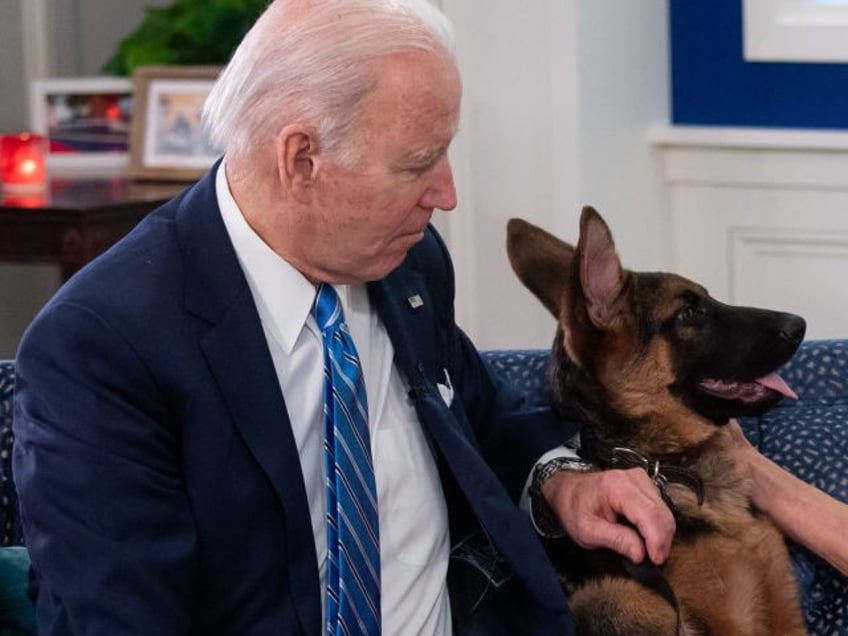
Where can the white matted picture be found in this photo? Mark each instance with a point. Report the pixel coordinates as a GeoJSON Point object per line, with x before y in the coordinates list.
{"type": "Point", "coordinates": [167, 140]}
{"type": "Point", "coordinates": [87, 121]}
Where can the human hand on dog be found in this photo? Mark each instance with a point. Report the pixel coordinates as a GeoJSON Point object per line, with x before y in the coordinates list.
{"type": "Point", "coordinates": [591, 505]}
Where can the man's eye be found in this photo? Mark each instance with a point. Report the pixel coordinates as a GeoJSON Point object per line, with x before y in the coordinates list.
{"type": "Point", "coordinates": [420, 168]}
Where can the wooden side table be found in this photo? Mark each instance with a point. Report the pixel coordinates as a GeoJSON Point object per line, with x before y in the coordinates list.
{"type": "Point", "coordinates": [75, 219]}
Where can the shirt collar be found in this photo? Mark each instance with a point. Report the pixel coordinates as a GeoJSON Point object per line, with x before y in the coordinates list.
{"type": "Point", "coordinates": [283, 296]}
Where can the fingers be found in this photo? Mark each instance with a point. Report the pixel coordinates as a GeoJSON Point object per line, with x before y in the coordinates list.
{"type": "Point", "coordinates": [617, 536]}
{"type": "Point", "coordinates": [591, 507]}
{"type": "Point", "coordinates": [642, 505]}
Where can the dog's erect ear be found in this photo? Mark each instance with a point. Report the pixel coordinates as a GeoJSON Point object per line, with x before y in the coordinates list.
{"type": "Point", "coordinates": [541, 261]}
{"type": "Point", "coordinates": [601, 275]}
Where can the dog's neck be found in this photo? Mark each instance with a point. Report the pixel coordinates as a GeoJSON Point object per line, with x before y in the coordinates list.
{"type": "Point", "coordinates": [576, 394]}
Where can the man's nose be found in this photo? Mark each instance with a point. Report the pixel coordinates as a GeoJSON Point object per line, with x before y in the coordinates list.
{"type": "Point", "coordinates": [441, 192]}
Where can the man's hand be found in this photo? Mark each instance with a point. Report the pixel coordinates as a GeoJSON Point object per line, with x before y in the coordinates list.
{"type": "Point", "coordinates": [591, 505]}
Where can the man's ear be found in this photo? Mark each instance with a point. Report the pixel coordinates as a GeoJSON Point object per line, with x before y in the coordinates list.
{"type": "Point", "coordinates": [297, 148]}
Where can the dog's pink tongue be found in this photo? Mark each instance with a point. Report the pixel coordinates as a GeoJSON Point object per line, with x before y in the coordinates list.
{"type": "Point", "coordinates": [776, 383]}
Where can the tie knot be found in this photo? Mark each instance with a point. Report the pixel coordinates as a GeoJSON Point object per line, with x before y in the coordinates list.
{"type": "Point", "coordinates": [328, 309]}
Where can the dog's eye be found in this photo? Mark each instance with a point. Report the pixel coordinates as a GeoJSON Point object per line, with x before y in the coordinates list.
{"type": "Point", "coordinates": [689, 314]}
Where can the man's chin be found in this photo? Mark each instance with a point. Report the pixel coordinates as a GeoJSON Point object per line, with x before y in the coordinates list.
{"type": "Point", "coordinates": [384, 262]}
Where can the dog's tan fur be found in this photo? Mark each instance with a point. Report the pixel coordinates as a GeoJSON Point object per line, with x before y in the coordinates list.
{"type": "Point", "coordinates": [732, 574]}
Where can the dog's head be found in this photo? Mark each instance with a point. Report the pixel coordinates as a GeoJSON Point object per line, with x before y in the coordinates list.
{"type": "Point", "coordinates": [649, 348]}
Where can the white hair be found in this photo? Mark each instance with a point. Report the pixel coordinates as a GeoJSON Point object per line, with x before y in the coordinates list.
{"type": "Point", "coordinates": [311, 61]}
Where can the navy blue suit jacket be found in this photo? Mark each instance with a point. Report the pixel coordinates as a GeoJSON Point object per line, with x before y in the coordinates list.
{"type": "Point", "coordinates": [159, 480]}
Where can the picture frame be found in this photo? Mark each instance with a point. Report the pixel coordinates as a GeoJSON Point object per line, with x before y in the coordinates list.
{"type": "Point", "coordinates": [167, 142]}
{"type": "Point", "coordinates": [87, 122]}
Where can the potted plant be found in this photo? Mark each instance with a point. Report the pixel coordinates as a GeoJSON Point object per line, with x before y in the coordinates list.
{"type": "Point", "coordinates": [189, 32]}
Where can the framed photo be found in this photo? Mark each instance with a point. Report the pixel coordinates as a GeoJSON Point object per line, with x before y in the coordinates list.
{"type": "Point", "coordinates": [167, 141]}
{"type": "Point", "coordinates": [86, 120]}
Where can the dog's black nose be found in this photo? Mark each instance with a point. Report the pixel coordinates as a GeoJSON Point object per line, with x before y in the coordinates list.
{"type": "Point", "coordinates": [792, 329]}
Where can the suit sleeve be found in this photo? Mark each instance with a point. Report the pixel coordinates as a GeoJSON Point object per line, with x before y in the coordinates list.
{"type": "Point", "coordinates": [92, 436]}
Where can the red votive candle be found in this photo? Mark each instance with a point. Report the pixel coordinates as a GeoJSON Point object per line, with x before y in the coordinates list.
{"type": "Point", "coordinates": [22, 162]}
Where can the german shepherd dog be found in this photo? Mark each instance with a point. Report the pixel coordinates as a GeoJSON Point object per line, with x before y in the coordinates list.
{"type": "Point", "coordinates": [657, 367]}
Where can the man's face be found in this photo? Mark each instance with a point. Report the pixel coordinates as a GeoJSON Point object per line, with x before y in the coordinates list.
{"type": "Point", "coordinates": [369, 213]}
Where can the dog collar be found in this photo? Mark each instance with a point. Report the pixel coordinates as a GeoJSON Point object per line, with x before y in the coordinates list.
{"type": "Point", "coordinates": [661, 473]}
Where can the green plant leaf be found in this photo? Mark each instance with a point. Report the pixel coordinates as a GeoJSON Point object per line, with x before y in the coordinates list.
{"type": "Point", "coordinates": [186, 32]}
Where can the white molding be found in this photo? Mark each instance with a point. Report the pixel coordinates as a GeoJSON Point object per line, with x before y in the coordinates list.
{"type": "Point", "coordinates": [760, 168]}
{"type": "Point", "coordinates": [778, 159]}
{"type": "Point", "coordinates": [795, 31]}
{"type": "Point", "coordinates": [752, 138]}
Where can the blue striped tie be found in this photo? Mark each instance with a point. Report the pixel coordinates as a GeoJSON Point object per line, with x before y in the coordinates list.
{"type": "Point", "coordinates": [353, 545]}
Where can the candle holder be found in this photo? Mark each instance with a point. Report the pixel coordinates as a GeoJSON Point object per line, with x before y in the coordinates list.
{"type": "Point", "coordinates": [23, 163]}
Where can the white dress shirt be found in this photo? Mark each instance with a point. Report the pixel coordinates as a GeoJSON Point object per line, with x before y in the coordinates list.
{"type": "Point", "coordinates": [414, 540]}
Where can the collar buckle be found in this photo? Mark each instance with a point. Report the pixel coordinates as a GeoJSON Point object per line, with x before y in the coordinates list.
{"type": "Point", "coordinates": [661, 474]}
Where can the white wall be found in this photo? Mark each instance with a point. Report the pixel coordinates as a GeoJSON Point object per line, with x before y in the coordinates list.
{"type": "Point", "coordinates": [13, 103]}
{"type": "Point", "coordinates": [557, 102]}
{"type": "Point", "coordinates": [23, 290]}
{"type": "Point", "coordinates": [515, 154]}
{"type": "Point", "coordinates": [624, 89]}
{"type": "Point", "coordinates": [83, 33]}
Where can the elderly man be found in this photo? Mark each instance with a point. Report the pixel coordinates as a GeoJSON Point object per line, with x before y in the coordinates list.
{"type": "Point", "coordinates": [255, 415]}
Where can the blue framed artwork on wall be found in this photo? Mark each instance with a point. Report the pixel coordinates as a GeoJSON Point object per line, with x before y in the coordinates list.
{"type": "Point", "coordinates": [713, 84]}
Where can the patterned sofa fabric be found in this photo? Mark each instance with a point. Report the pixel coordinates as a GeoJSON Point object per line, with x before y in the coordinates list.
{"type": "Point", "coordinates": [808, 437]}
{"type": "Point", "coordinates": [10, 523]}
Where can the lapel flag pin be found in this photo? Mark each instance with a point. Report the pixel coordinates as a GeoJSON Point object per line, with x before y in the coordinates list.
{"type": "Point", "coordinates": [415, 301]}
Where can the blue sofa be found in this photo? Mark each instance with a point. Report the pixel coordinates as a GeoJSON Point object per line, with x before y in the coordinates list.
{"type": "Point", "coordinates": [808, 437]}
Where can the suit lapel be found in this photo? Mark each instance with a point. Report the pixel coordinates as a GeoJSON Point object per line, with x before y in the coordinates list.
{"type": "Point", "coordinates": [421, 355]}
{"type": "Point", "coordinates": [404, 306]}
{"type": "Point", "coordinates": [238, 358]}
